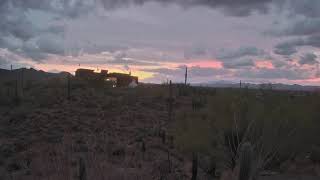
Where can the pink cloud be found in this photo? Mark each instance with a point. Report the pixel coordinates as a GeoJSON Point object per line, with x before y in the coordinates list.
{"type": "Point", "coordinates": [264, 64]}
{"type": "Point", "coordinates": [206, 64]}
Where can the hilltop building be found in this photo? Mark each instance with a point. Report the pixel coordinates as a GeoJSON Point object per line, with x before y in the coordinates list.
{"type": "Point", "coordinates": [119, 79]}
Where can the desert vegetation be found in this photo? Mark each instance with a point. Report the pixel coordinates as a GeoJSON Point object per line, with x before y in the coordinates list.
{"type": "Point", "coordinates": [66, 128]}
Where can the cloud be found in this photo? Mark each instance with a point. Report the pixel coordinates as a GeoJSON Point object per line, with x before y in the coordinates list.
{"type": "Point", "coordinates": [121, 58]}
{"type": "Point", "coordinates": [286, 48]}
{"type": "Point", "coordinates": [31, 50]}
{"type": "Point", "coordinates": [230, 7]}
{"type": "Point", "coordinates": [3, 61]}
{"type": "Point", "coordinates": [132, 62]}
{"type": "Point", "coordinates": [194, 71]}
{"type": "Point", "coordinates": [8, 58]}
{"type": "Point", "coordinates": [195, 52]}
{"type": "Point", "coordinates": [290, 47]}
{"type": "Point", "coordinates": [308, 58]}
{"type": "Point", "coordinates": [16, 24]}
{"type": "Point", "coordinates": [55, 29]}
{"type": "Point", "coordinates": [307, 8]}
{"type": "Point", "coordinates": [302, 27]}
{"type": "Point", "coordinates": [166, 71]}
{"type": "Point", "coordinates": [239, 63]}
{"type": "Point", "coordinates": [239, 53]}
{"type": "Point", "coordinates": [273, 74]}
{"type": "Point", "coordinates": [50, 45]}
{"type": "Point", "coordinates": [206, 72]}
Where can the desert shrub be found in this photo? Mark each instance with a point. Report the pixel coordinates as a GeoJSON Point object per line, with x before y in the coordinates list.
{"type": "Point", "coordinates": [279, 127]}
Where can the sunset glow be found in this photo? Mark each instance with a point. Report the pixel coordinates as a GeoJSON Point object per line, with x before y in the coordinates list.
{"type": "Point", "coordinates": [264, 64]}
{"type": "Point", "coordinates": [206, 64]}
{"type": "Point", "coordinates": [156, 42]}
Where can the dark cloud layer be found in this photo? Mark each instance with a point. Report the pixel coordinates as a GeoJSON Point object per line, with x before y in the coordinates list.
{"type": "Point", "coordinates": [239, 63]}
{"type": "Point", "coordinates": [308, 58]}
{"type": "Point", "coordinates": [307, 8]}
{"type": "Point", "coordinates": [290, 47]}
{"type": "Point", "coordinates": [307, 26]}
{"type": "Point", "coordinates": [239, 53]}
{"type": "Point", "coordinates": [271, 74]}
{"type": "Point", "coordinates": [230, 7]}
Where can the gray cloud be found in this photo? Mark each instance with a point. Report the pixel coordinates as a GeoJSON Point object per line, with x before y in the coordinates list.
{"type": "Point", "coordinates": [308, 58]}
{"type": "Point", "coordinates": [307, 8]}
{"type": "Point", "coordinates": [55, 29]}
{"type": "Point", "coordinates": [3, 61]}
{"type": "Point", "coordinates": [303, 27]}
{"type": "Point", "coordinates": [286, 48]}
{"type": "Point", "coordinates": [195, 52]}
{"type": "Point", "coordinates": [50, 45]}
{"type": "Point", "coordinates": [290, 47]}
{"type": "Point", "coordinates": [288, 74]}
{"type": "Point", "coordinates": [16, 25]}
{"type": "Point", "coordinates": [31, 50]}
{"type": "Point", "coordinates": [239, 63]}
{"type": "Point", "coordinates": [279, 63]}
{"type": "Point", "coordinates": [230, 7]}
{"type": "Point", "coordinates": [121, 58]}
{"type": "Point", "coordinates": [239, 53]}
{"type": "Point", "coordinates": [206, 72]}
{"type": "Point", "coordinates": [166, 71]}
{"type": "Point", "coordinates": [127, 61]}
{"type": "Point", "coordinates": [194, 72]}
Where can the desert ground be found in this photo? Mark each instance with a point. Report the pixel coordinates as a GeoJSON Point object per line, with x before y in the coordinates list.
{"type": "Point", "coordinates": [153, 132]}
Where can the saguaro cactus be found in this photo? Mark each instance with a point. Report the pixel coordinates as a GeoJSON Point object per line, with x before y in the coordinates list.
{"type": "Point", "coordinates": [82, 170]}
{"type": "Point", "coordinates": [246, 156]}
{"type": "Point", "coordinates": [69, 87]}
{"type": "Point", "coordinates": [143, 149]}
{"type": "Point", "coordinates": [186, 76]}
{"type": "Point", "coordinates": [170, 101]}
{"type": "Point", "coordinates": [22, 82]}
{"type": "Point", "coordinates": [169, 161]}
{"type": "Point", "coordinates": [194, 166]}
{"type": "Point", "coordinates": [17, 95]}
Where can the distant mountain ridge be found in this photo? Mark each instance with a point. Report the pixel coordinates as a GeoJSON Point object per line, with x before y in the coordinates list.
{"type": "Point", "coordinates": [275, 86]}
{"type": "Point", "coordinates": [28, 74]}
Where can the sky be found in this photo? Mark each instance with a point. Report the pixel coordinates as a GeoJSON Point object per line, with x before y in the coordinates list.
{"type": "Point", "coordinates": [257, 41]}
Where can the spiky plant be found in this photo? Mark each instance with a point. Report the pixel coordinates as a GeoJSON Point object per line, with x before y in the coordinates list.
{"type": "Point", "coordinates": [186, 76]}
{"type": "Point", "coordinates": [170, 102]}
{"type": "Point", "coordinates": [82, 170]}
{"type": "Point", "coordinates": [246, 156]}
{"type": "Point", "coordinates": [69, 87]}
{"type": "Point", "coordinates": [194, 166]}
